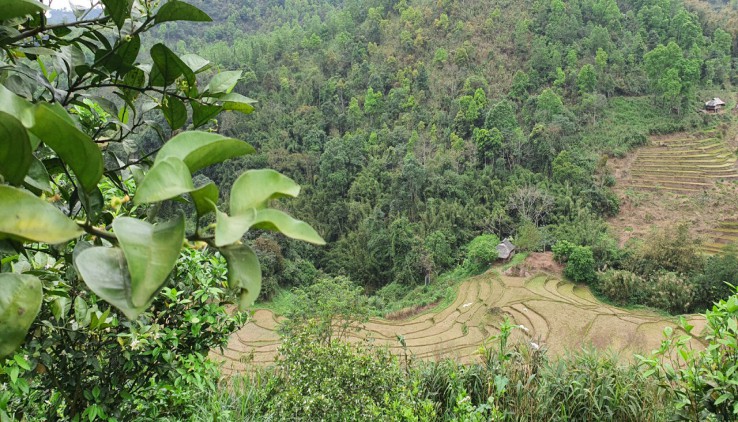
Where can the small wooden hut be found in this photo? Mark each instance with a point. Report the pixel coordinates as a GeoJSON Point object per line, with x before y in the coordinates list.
{"type": "Point", "coordinates": [714, 105]}
{"type": "Point", "coordinates": [505, 249]}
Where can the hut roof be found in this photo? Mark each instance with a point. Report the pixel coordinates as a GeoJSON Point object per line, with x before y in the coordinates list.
{"type": "Point", "coordinates": [715, 102]}
{"type": "Point", "coordinates": [505, 249]}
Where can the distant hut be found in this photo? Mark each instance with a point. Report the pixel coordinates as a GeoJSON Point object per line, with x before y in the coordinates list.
{"type": "Point", "coordinates": [505, 249]}
{"type": "Point", "coordinates": [714, 105]}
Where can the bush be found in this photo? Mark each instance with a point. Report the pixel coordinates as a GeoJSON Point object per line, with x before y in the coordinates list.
{"type": "Point", "coordinates": [580, 266]}
{"type": "Point", "coordinates": [622, 287]}
{"type": "Point", "coordinates": [671, 292]}
{"type": "Point", "coordinates": [666, 250]}
{"type": "Point", "coordinates": [712, 285]}
{"type": "Point", "coordinates": [529, 238]}
{"type": "Point", "coordinates": [481, 253]}
{"type": "Point", "coordinates": [562, 249]}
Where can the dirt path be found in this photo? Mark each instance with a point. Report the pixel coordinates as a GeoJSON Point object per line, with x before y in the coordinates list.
{"type": "Point", "coordinates": [556, 314]}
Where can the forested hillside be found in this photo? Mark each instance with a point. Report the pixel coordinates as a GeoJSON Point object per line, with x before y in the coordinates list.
{"type": "Point", "coordinates": [153, 155]}
{"type": "Point", "coordinates": [416, 126]}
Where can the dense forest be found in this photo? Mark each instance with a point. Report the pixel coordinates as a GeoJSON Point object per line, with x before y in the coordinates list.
{"type": "Point", "coordinates": [414, 127]}
{"type": "Point", "coordinates": [153, 155]}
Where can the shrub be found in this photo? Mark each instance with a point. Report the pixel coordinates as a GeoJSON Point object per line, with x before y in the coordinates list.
{"type": "Point", "coordinates": [580, 266]}
{"type": "Point", "coordinates": [666, 250]}
{"type": "Point", "coordinates": [671, 292]}
{"type": "Point", "coordinates": [562, 249]}
{"type": "Point", "coordinates": [712, 284]}
{"type": "Point", "coordinates": [529, 238]}
{"type": "Point", "coordinates": [481, 253]}
{"type": "Point", "coordinates": [622, 287]}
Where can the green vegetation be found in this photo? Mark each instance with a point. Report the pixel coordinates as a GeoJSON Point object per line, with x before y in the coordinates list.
{"type": "Point", "coordinates": [133, 214]}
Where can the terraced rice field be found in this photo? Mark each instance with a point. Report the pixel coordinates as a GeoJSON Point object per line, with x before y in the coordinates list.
{"type": "Point", "coordinates": [683, 165]}
{"type": "Point", "coordinates": [726, 233]}
{"type": "Point", "coordinates": [556, 314]}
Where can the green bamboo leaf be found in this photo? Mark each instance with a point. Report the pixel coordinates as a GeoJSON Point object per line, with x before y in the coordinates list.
{"type": "Point", "coordinates": [223, 82]}
{"type": "Point", "coordinates": [105, 273]}
{"type": "Point", "coordinates": [244, 273]}
{"type": "Point", "coordinates": [167, 179]}
{"type": "Point", "coordinates": [119, 10]}
{"type": "Point", "coordinates": [255, 188]}
{"type": "Point", "coordinates": [275, 220]}
{"type": "Point", "coordinates": [229, 230]}
{"type": "Point", "coordinates": [201, 149]}
{"type": "Point", "coordinates": [180, 11]}
{"type": "Point", "coordinates": [151, 252]}
{"type": "Point", "coordinates": [57, 130]}
{"type": "Point", "coordinates": [17, 8]}
{"type": "Point", "coordinates": [204, 198]}
{"type": "Point", "coordinates": [20, 301]}
{"type": "Point", "coordinates": [26, 217]}
{"type": "Point", "coordinates": [15, 149]}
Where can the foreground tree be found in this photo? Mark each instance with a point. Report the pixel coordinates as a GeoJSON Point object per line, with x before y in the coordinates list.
{"type": "Point", "coordinates": [72, 97]}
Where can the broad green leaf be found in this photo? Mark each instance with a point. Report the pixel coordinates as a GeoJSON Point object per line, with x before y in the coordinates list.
{"type": "Point", "coordinates": [237, 102]}
{"type": "Point", "coordinates": [105, 273]}
{"type": "Point", "coordinates": [196, 63]}
{"type": "Point", "coordinates": [167, 179]}
{"type": "Point", "coordinates": [175, 112]}
{"type": "Point", "coordinates": [151, 252]}
{"type": "Point", "coordinates": [180, 11]}
{"type": "Point", "coordinates": [202, 113]}
{"type": "Point", "coordinates": [244, 273]}
{"type": "Point", "coordinates": [56, 129]}
{"type": "Point", "coordinates": [16, 106]}
{"type": "Point", "coordinates": [125, 55]}
{"type": "Point", "coordinates": [93, 203]}
{"type": "Point", "coordinates": [204, 198]}
{"type": "Point", "coordinates": [38, 178]}
{"type": "Point", "coordinates": [229, 230]}
{"type": "Point", "coordinates": [15, 149]}
{"type": "Point", "coordinates": [255, 188]}
{"type": "Point", "coordinates": [168, 67]}
{"type": "Point", "coordinates": [275, 220]}
{"type": "Point", "coordinates": [27, 217]}
{"type": "Point", "coordinates": [16, 8]}
{"type": "Point", "coordinates": [20, 301]}
{"type": "Point", "coordinates": [118, 10]}
{"type": "Point", "coordinates": [223, 82]}
{"type": "Point", "coordinates": [201, 149]}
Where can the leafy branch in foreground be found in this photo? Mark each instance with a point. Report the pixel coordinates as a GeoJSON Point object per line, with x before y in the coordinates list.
{"type": "Point", "coordinates": [54, 164]}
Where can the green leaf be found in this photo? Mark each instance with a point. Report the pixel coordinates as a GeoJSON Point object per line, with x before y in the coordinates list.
{"type": "Point", "coordinates": [237, 102]}
{"type": "Point", "coordinates": [180, 11]}
{"type": "Point", "coordinates": [202, 113]}
{"type": "Point", "coordinates": [722, 398]}
{"type": "Point", "coordinates": [223, 82]}
{"type": "Point", "coordinates": [201, 149]}
{"type": "Point", "coordinates": [204, 198]}
{"type": "Point", "coordinates": [119, 10]}
{"type": "Point", "coordinates": [167, 179]}
{"type": "Point", "coordinates": [196, 63]}
{"type": "Point", "coordinates": [255, 188]}
{"type": "Point", "coordinates": [168, 67]}
{"type": "Point", "coordinates": [151, 252]}
{"type": "Point", "coordinates": [37, 177]}
{"type": "Point", "coordinates": [244, 273]}
{"type": "Point", "coordinates": [27, 217]}
{"type": "Point", "coordinates": [175, 112]}
{"type": "Point", "coordinates": [275, 220]}
{"type": "Point", "coordinates": [15, 149]}
{"type": "Point", "coordinates": [16, 106]}
{"type": "Point", "coordinates": [17, 8]}
{"type": "Point", "coordinates": [20, 301]}
{"type": "Point", "coordinates": [105, 273]}
{"type": "Point", "coordinates": [56, 129]}
{"type": "Point", "coordinates": [229, 230]}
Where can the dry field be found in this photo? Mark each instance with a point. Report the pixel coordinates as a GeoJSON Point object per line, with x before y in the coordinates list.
{"type": "Point", "coordinates": [555, 314]}
{"type": "Point", "coordinates": [679, 178]}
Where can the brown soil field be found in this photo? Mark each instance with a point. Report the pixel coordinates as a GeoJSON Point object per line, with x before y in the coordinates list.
{"type": "Point", "coordinates": [678, 178]}
{"type": "Point", "coordinates": [552, 313]}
